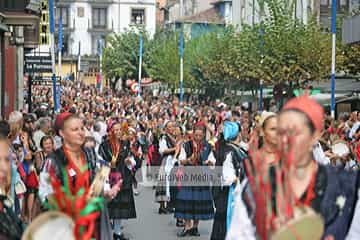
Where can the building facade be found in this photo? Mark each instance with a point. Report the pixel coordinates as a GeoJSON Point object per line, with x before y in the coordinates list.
{"type": "Point", "coordinates": [190, 7]}
{"type": "Point", "coordinates": [343, 9]}
{"type": "Point", "coordinates": [248, 11]}
{"type": "Point", "coordinates": [351, 30]}
{"type": "Point", "coordinates": [86, 22]}
{"type": "Point", "coordinates": [19, 32]}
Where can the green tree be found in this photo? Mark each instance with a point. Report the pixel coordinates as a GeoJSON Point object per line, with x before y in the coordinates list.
{"type": "Point", "coordinates": [163, 58]}
{"type": "Point", "coordinates": [350, 59]}
{"type": "Point", "coordinates": [121, 56]}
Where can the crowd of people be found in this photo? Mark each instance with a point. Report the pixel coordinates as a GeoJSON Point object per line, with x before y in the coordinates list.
{"type": "Point", "coordinates": [272, 163]}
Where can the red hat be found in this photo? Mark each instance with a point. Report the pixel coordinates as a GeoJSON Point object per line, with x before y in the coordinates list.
{"type": "Point", "coordinates": [310, 108]}
{"type": "Point", "coordinates": [60, 119]}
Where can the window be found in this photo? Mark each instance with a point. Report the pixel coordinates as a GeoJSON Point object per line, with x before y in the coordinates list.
{"type": "Point", "coordinates": [138, 16]}
{"type": "Point", "coordinates": [65, 44]}
{"type": "Point", "coordinates": [95, 44]}
{"type": "Point", "coordinates": [99, 17]}
{"type": "Point", "coordinates": [80, 12]}
{"type": "Point", "coordinates": [64, 13]}
{"type": "Point", "coordinates": [343, 3]}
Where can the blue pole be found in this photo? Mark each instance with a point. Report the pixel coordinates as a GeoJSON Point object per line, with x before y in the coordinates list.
{"type": "Point", "coordinates": [51, 15]}
{"type": "Point", "coordinates": [333, 57]}
{"type": "Point", "coordinates": [181, 53]}
{"type": "Point", "coordinates": [140, 64]}
{"type": "Point", "coordinates": [261, 81]}
{"type": "Point", "coordinates": [60, 42]}
{"type": "Point", "coordinates": [261, 95]}
{"type": "Point", "coordinates": [52, 33]}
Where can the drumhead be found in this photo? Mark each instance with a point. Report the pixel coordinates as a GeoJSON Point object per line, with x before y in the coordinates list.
{"type": "Point", "coordinates": [99, 181]}
{"type": "Point", "coordinates": [50, 225]}
{"type": "Point", "coordinates": [340, 148]}
{"type": "Point", "coordinates": [306, 225]}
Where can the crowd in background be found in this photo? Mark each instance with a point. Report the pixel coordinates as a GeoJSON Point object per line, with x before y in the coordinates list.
{"type": "Point", "coordinates": [162, 132]}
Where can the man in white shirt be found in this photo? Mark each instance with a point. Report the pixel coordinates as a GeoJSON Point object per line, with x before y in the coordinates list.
{"type": "Point", "coordinates": [319, 155]}
{"type": "Point", "coordinates": [103, 126]}
{"type": "Point", "coordinates": [96, 135]}
{"type": "Point", "coordinates": [44, 127]}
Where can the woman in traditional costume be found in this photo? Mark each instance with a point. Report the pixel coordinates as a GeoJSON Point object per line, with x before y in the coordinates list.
{"type": "Point", "coordinates": [10, 225]}
{"type": "Point", "coordinates": [78, 164]}
{"type": "Point", "coordinates": [268, 137]}
{"type": "Point", "coordinates": [311, 201]}
{"type": "Point", "coordinates": [116, 150]}
{"type": "Point", "coordinates": [167, 150]}
{"type": "Point", "coordinates": [195, 203]}
{"type": "Point", "coordinates": [137, 152]}
{"type": "Point", "coordinates": [230, 157]}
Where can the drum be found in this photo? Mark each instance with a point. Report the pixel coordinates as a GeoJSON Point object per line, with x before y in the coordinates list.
{"type": "Point", "coordinates": [306, 224]}
{"type": "Point", "coordinates": [340, 148]}
{"type": "Point", "coordinates": [99, 181]}
{"type": "Point", "coordinates": [50, 225]}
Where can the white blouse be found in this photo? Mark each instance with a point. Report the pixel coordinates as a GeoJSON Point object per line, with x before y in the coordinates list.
{"type": "Point", "coordinates": [211, 157]}
{"type": "Point", "coordinates": [228, 171]}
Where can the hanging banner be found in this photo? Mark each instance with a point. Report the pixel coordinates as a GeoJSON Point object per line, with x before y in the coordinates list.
{"type": "Point", "coordinates": [44, 24]}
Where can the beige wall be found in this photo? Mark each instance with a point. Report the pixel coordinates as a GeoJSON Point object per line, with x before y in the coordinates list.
{"type": "Point", "coordinates": [88, 78]}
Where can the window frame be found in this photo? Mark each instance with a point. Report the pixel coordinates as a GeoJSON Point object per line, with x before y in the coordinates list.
{"type": "Point", "coordinates": [94, 43]}
{"type": "Point", "coordinates": [67, 18]}
{"type": "Point", "coordinates": [131, 16]}
{"type": "Point", "coordinates": [66, 42]}
{"type": "Point", "coordinates": [97, 11]}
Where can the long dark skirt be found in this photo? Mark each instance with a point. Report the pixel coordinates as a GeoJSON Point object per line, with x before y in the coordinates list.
{"type": "Point", "coordinates": [194, 203]}
{"type": "Point", "coordinates": [221, 202]}
{"type": "Point", "coordinates": [123, 205]}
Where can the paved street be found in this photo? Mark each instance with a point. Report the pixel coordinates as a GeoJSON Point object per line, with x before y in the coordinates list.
{"type": "Point", "coordinates": [150, 225]}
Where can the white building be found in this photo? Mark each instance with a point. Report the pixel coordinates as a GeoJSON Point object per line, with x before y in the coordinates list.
{"type": "Point", "coordinates": [248, 11]}
{"type": "Point", "coordinates": [190, 8]}
{"type": "Point", "coordinates": [87, 21]}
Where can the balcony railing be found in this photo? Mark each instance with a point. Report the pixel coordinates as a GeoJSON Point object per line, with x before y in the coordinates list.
{"type": "Point", "coordinates": [92, 28]}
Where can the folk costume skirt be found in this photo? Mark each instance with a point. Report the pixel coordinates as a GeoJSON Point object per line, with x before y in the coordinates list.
{"type": "Point", "coordinates": [194, 203]}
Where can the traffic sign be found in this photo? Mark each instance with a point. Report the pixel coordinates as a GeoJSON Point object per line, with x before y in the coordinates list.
{"type": "Point", "coordinates": [44, 81]}
{"type": "Point", "coordinates": [38, 64]}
